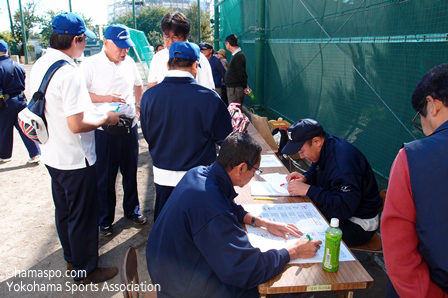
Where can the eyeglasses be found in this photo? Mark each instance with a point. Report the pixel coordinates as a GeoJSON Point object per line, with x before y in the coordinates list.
{"type": "Point", "coordinates": [416, 121]}
{"type": "Point", "coordinates": [258, 171]}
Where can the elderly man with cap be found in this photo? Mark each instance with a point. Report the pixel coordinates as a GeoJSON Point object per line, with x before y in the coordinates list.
{"type": "Point", "coordinates": [218, 70]}
{"type": "Point", "coordinates": [181, 121]}
{"type": "Point", "coordinates": [340, 180]}
{"type": "Point", "coordinates": [69, 153]}
{"type": "Point", "coordinates": [176, 28]}
{"type": "Point", "coordinates": [112, 76]}
{"type": "Point", "coordinates": [12, 101]}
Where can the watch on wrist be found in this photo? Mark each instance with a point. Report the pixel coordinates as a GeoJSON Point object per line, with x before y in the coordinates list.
{"type": "Point", "coordinates": [137, 104]}
{"type": "Point", "coordinates": [252, 222]}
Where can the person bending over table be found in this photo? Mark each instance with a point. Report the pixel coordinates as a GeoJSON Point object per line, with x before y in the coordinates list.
{"type": "Point", "coordinates": [340, 181]}
{"type": "Point", "coordinates": [198, 248]}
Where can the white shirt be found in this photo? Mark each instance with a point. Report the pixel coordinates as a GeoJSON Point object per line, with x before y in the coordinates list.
{"type": "Point", "coordinates": [236, 51]}
{"type": "Point", "coordinates": [158, 69]}
{"type": "Point", "coordinates": [66, 96]}
{"type": "Point", "coordinates": [104, 77]}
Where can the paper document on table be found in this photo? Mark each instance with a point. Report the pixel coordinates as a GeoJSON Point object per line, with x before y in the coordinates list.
{"type": "Point", "coordinates": [304, 215]}
{"type": "Point", "coordinates": [269, 187]}
{"type": "Point", "coordinates": [270, 161]}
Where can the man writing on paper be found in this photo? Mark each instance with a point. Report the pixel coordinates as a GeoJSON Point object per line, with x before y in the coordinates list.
{"type": "Point", "coordinates": [340, 181]}
{"type": "Point", "coordinates": [415, 219]}
{"type": "Point", "coordinates": [181, 121]}
{"type": "Point", "coordinates": [198, 248]}
{"type": "Point", "coordinates": [112, 76]}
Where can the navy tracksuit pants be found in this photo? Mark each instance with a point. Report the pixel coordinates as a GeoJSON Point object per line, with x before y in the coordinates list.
{"type": "Point", "coordinates": [76, 210]}
{"type": "Point", "coordinates": [162, 194]}
{"type": "Point", "coordinates": [113, 153]}
{"type": "Point", "coordinates": [8, 120]}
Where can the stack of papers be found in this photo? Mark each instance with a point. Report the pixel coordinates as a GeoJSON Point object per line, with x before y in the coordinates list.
{"type": "Point", "coordinates": [270, 161]}
{"type": "Point", "coordinates": [304, 216]}
{"type": "Point", "coordinates": [270, 187]}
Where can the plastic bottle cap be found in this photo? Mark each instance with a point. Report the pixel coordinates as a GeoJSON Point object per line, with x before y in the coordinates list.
{"type": "Point", "coordinates": [334, 222]}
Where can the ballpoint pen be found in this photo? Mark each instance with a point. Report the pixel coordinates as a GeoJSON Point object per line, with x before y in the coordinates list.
{"type": "Point", "coordinates": [286, 183]}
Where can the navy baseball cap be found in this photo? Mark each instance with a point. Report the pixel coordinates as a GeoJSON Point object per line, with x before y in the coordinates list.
{"type": "Point", "coordinates": [3, 46]}
{"type": "Point", "coordinates": [185, 50]}
{"type": "Point", "coordinates": [71, 23]}
{"type": "Point", "coordinates": [205, 46]}
{"type": "Point", "coordinates": [120, 35]}
{"type": "Point", "coordinates": [300, 132]}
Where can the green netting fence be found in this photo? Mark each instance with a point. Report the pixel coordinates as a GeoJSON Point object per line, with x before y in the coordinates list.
{"type": "Point", "coordinates": [350, 64]}
{"type": "Point", "coordinates": [142, 51]}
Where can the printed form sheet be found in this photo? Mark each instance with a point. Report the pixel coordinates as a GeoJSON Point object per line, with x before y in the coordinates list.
{"type": "Point", "coordinates": [304, 215]}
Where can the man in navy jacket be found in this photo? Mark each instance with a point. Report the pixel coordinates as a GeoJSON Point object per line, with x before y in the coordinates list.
{"type": "Point", "coordinates": [181, 121]}
{"type": "Point", "coordinates": [340, 180]}
{"type": "Point", "coordinates": [198, 248]}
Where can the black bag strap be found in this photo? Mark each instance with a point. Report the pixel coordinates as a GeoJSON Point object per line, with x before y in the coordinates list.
{"type": "Point", "coordinates": [49, 74]}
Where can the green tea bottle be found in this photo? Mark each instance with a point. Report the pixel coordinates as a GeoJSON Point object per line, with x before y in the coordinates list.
{"type": "Point", "coordinates": [333, 238]}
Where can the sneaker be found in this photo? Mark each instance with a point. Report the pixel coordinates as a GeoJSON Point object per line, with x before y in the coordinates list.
{"type": "Point", "coordinates": [35, 159]}
{"type": "Point", "coordinates": [138, 219]}
{"type": "Point", "coordinates": [106, 230]}
{"type": "Point", "coordinates": [99, 275]}
{"type": "Point", "coordinates": [5, 159]}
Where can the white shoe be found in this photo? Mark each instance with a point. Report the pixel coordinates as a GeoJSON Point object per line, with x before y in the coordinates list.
{"type": "Point", "coordinates": [5, 159]}
{"type": "Point", "coordinates": [35, 159]}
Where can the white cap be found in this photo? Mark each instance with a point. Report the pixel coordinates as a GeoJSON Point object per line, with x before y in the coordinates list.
{"type": "Point", "coordinates": [334, 222]}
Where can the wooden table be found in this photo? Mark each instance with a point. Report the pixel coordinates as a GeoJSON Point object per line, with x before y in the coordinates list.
{"type": "Point", "coordinates": [305, 277]}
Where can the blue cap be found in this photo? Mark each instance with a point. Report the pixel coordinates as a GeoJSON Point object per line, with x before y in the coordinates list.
{"type": "Point", "coordinates": [185, 50]}
{"type": "Point", "coordinates": [70, 23]}
{"type": "Point", "coordinates": [120, 35]}
{"type": "Point", "coordinates": [3, 46]}
{"type": "Point", "coordinates": [300, 132]}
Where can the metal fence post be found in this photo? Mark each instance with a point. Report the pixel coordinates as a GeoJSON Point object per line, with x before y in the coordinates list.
{"type": "Point", "coordinates": [259, 52]}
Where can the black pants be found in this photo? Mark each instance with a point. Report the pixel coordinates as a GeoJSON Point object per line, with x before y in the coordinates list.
{"type": "Point", "coordinates": [162, 195]}
{"type": "Point", "coordinates": [76, 212]}
{"type": "Point", "coordinates": [353, 234]}
{"type": "Point", "coordinates": [8, 120]}
{"type": "Point", "coordinates": [116, 153]}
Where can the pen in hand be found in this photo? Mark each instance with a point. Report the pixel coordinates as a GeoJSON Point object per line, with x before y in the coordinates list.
{"type": "Point", "coordinates": [308, 237]}
{"type": "Point", "coordinates": [286, 183]}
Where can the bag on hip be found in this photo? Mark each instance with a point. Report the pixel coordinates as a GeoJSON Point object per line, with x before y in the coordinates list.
{"type": "Point", "coordinates": [122, 128]}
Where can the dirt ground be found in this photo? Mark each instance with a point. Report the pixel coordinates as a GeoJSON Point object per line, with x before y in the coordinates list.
{"type": "Point", "coordinates": [28, 235]}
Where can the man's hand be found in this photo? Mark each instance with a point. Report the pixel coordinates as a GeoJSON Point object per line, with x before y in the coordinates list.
{"type": "Point", "coordinates": [304, 248]}
{"type": "Point", "coordinates": [282, 230]}
{"type": "Point", "coordinates": [114, 97]}
{"type": "Point", "coordinates": [137, 112]}
{"type": "Point", "coordinates": [112, 118]}
{"type": "Point", "coordinates": [297, 188]}
{"type": "Point", "coordinates": [295, 176]}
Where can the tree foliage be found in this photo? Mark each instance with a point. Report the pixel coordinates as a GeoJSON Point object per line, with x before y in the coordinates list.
{"type": "Point", "coordinates": [6, 36]}
{"type": "Point", "coordinates": [148, 20]}
{"type": "Point", "coordinates": [31, 19]}
{"type": "Point", "coordinates": [206, 29]}
{"type": "Point", "coordinates": [46, 27]}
